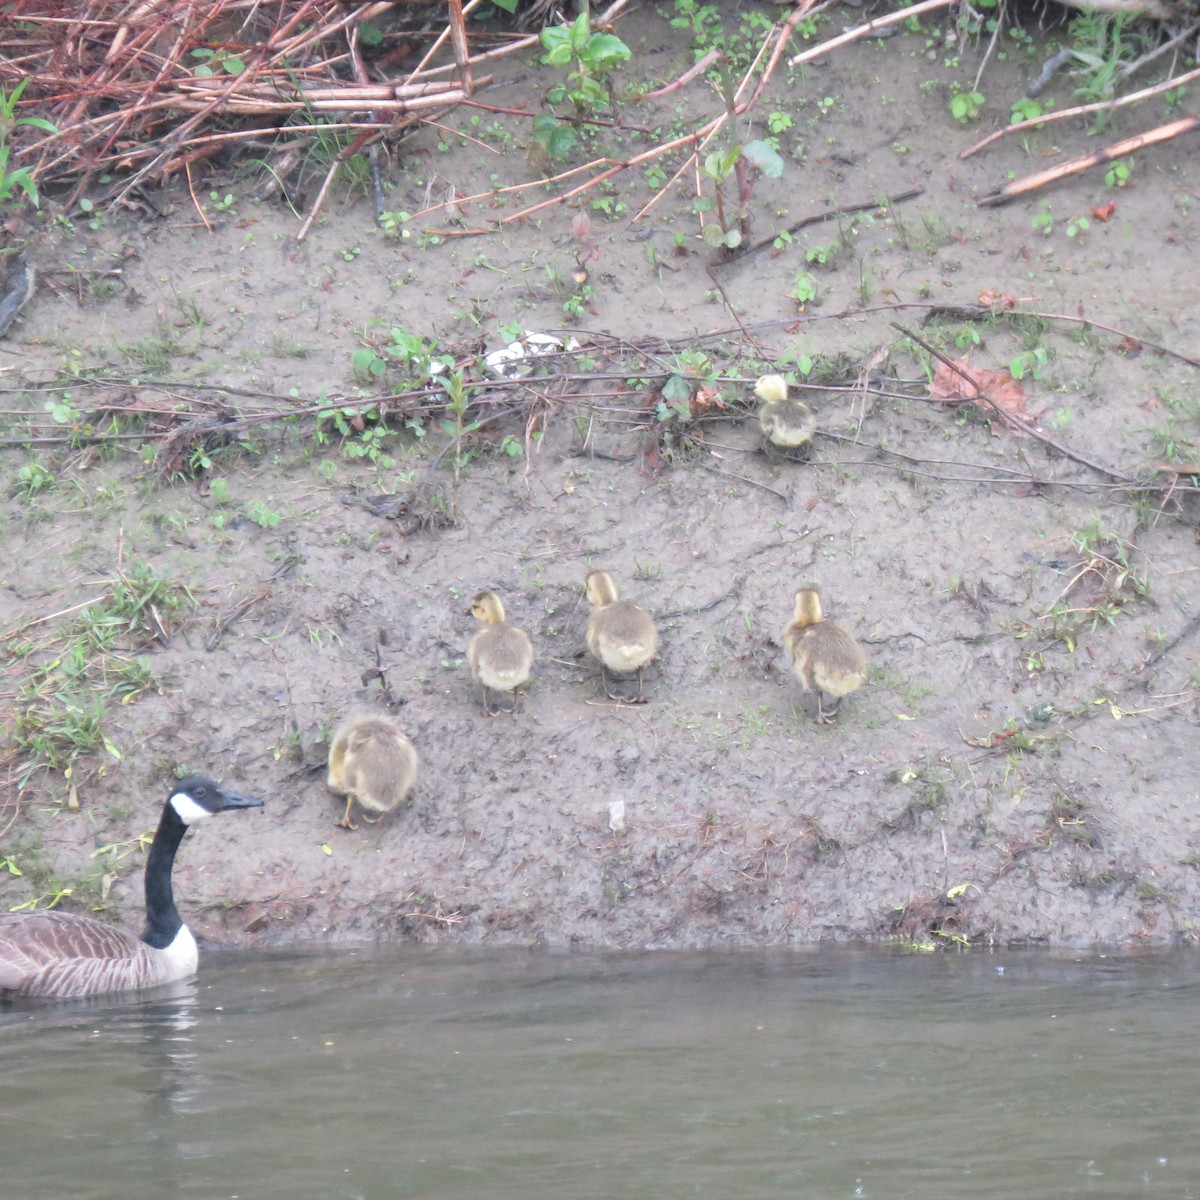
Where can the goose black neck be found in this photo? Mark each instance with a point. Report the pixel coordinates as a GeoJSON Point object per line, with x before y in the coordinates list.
{"type": "Point", "coordinates": [162, 917]}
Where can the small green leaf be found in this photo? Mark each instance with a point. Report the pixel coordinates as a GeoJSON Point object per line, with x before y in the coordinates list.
{"type": "Point", "coordinates": [605, 50]}
{"type": "Point", "coordinates": [763, 156]}
{"type": "Point", "coordinates": [676, 389]}
{"type": "Point", "coordinates": [580, 33]}
{"type": "Point", "coordinates": [326, 848]}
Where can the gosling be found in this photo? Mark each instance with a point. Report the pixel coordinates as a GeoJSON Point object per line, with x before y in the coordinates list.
{"type": "Point", "coordinates": [826, 657]}
{"type": "Point", "coordinates": [500, 655]}
{"type": "Point", "coordinates": [371, 761]}
{"type": "Point", "coordinates": [786, 423]}
{"type": "Point", "coordinates": [621, 635]}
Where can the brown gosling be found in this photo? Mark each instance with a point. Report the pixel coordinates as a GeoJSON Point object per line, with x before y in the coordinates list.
{"type": "Point", "coordinates": [826, 657]}
{"type": "Point", "coordinates": [621, 635]}
{"type": "Point", "coordinates": [371, 761]}
{"type": "Point", "coordinates": [786, 423]}
{"type": "Point", "coordinates": [500, 655]}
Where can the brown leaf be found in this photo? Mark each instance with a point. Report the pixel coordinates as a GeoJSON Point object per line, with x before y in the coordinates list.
{"type": "Point", "coordinates": [707, 397]}
{"type": "Point", "coordinates": [967, 382]}
{"type": "Point", "coordinates": [990, 299]}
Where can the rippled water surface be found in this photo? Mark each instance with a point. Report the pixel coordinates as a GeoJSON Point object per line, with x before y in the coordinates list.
{"type": "Point", "coordinates": [529, 1075]}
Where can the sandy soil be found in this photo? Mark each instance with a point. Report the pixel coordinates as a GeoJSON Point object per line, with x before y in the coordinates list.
{"type": "Point", "coordinates": [1012, 771]}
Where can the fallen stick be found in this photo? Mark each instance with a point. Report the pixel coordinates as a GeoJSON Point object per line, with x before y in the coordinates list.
{"type": "Point", "coordinates": [1082, 110]}
{"type": "Point", "coordinates": [1076, 166]}
{"type": "Point", "coordinates": [827, 215]}
{"type": "Point", "coordinates": [866, 30]}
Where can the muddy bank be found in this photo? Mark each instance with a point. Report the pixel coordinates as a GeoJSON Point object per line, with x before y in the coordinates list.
{"type": "Point", "coordinates": [1021, 765]}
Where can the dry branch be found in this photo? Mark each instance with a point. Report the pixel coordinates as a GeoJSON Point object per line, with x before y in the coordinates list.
{"type": "Point", "coordinates": [130, 85]}
{"type": "Point", "coordinates": [1076, 166]}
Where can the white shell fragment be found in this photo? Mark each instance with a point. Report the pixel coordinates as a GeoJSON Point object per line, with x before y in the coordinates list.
{"type": "Point", "coordinates": [616, 816]}
{"type": "Point", "coordinates": [515, 360]}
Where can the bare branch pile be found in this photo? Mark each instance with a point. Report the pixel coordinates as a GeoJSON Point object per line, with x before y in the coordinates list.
{"type": "Point", "coordinates": [141, 89]}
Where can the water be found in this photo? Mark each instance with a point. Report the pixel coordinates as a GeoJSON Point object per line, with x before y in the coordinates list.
{"type": "Point", "coordinates": [830, 1074]}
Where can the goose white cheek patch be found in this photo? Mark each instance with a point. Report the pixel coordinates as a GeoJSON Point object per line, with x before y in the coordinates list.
{"type": "Point", "coordinates": [187, 809]}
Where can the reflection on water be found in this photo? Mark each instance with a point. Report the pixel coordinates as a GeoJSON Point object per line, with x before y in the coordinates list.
{"type": "Point", "coordinates": [830, 1073]}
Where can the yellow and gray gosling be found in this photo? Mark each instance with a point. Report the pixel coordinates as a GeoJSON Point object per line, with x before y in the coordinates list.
{"type": "Point", "coordinates": [826, 657]}
{"type": "Point", "coordinates": [58, 954]}
{"type": "Point", "coordinates": [621, 635]}
{"type": "Point", "coordinates": [500, 655]}
{"type": "Point", "coordinates": [371, 761]}
{"type": "Point", "coordinates": [786, 423]}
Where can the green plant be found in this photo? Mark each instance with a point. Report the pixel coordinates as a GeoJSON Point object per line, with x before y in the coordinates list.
{"type": "Point", "coordinates": [704, 21]}
{"type": "Point", "coordinates": [741, 164]}
{"type": "Point", "coordinates": [1102, 580]}
{"type": "Point", "coordinates": [1101, 45]}
{"type": "Point", "coordinates": [590, 58]}
{"type": "Point", "coordinates": [455, 424]}
{"type": "Point", "coordinates": [822, 256]}
{"type": "Point", "coordinates": [804, 288]}
{"type": "Point", "coordinates": [1077, 225]}
{"type": "Point", "coordinates": [73, 671]}
{"type": "Point", "coordinates": [13, 179]}
{"type": "Point", "coordinates": [1028, 362]}
{"type": "Point", "coordinates": [261, 515]}
{"type": "Point", "coordinates": [1025, 109]}
{"type": "Point", "coordinates": [209, 62]}
{"type": "Point", "coordinates": [1043, 222]}
{"type": "Point", "coordinates": [965, 106]}
{"type": "Point", "coordinates": [32, 478]}
{"type": "Point", "coordinates": [1118, 173]}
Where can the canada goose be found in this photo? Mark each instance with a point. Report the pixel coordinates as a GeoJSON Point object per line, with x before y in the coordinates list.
{"type": "Point", "coordinates": [500, 654]}
{"type": "Point", "coordinates": [371, 761]}
{"type": "Point", "coordinates": [786, 423]}
{"type": "Point", "coordinates": [60, 954]}
{"type": "Point", "coordinates": [825, 657]}
{"type": "Point", "coordinates": [621, 635]}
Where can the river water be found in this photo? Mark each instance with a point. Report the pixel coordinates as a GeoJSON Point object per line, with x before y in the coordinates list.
{"type": "Point", "coordinates": [824, 1074]}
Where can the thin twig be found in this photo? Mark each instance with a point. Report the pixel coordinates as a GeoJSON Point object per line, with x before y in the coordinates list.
{"type": "Point", "coordinates": [828, 214]}
{"type": "Point", "coordinates": [1010, 418]}
{"type": "Point", "coordinates": [1082, 110]}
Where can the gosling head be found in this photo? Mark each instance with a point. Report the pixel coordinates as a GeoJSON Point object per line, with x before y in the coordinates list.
{"type": "Point", "coordinates": [601, 589]}
{"type": "Point", "coordinates": [488, 607]}
{"type": "Point", "coordinates": [772, 388]}
{"type": "Point", "coordinates": [808, 607]}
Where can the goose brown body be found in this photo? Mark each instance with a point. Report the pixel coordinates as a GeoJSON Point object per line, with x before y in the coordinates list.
{"type": "Point", "coordinates": [826, 657]}
{"type": "Point", "coordinates": [620, 634]}
{"type": "Point", "coordinates": [371, 761]}
{"type": "Point", "coordinates": [786, 422]}
{"type": "Point", "coordinates": [499, 654]}
{"type": "Point", "coordinates": [61, 955]}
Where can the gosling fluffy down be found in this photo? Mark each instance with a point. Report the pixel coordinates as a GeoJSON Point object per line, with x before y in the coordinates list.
{"type": "Point", "coordinates": [786, 423]}
{"type": "Point", "coordinates": [621, 635]}
{"type": "Point", "coordinates": [371, 761]}
{"type": "Point", "coordinates": [500, 655]}
{"type": "Point", "coordinates": [826, 657]}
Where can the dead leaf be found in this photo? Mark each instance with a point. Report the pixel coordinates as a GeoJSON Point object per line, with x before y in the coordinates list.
{"type": "Point", "coordinates": [990, 299]}
{"type": "Point", "coordinates": [1103, 211]}
{"type": "Point", "coordinates": [968, 382]}
{"type": "Point", "coordinates": [707, 397]}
